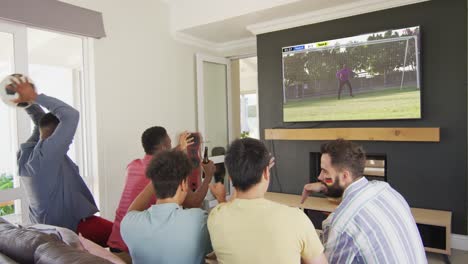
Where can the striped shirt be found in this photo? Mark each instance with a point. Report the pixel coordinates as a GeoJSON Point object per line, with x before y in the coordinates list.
{"type": "Point", "coordinates": [373, 224]}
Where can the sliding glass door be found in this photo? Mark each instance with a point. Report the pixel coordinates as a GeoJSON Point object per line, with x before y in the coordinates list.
{"type": "Point", "coordinates": [14, 126]}
{"type": "Point", "coordinates": [57, 63]}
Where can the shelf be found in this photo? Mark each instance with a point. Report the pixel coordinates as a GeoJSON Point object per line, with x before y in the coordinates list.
{"type": "Point", "coordinates": [415, 134]}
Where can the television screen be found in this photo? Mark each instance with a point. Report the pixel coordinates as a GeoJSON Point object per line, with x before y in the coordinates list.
{"type": "Point", "coordinates": [367, 77]}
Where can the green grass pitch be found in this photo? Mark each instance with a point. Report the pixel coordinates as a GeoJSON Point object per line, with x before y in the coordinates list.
{"type": "Point", "coordinates": [386, 104]}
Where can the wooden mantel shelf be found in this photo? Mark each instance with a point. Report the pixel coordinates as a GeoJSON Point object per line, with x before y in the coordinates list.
{"type": "Point", "coordinates": [418, 134]}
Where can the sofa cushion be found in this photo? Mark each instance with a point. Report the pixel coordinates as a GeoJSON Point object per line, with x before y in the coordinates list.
{"type": "Point", "coordinates": [20, 244]}
{"type": "Point", "coordinates": [6, 260]}
{"type": "Point", "coordinates": [66, 235]}
{"type": "Point", "coordinates": [57, 252]}
{"type": "Point", "coordinates": [99, 251]}
{"type": "Point", "coordinates": [4, 224]}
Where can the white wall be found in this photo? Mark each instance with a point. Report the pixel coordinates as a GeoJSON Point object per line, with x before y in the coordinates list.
{"type": "Point", "coordinates": [143, 78]}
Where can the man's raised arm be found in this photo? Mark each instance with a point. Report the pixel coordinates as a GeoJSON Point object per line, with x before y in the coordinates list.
{"type": "Point", "coordinates": [27, 94]}
{"type": "Point", "coordinates": [195, 199]}
{"type": "Point", "coordinates": [35, 112]}
{"type": "Point", "coordinates": [59, 142]}
{"type": "Point", "coordinates": [143, 200]}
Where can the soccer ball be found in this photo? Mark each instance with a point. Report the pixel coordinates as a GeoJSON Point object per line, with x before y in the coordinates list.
{"type": "Point", "coordinates": [7, 92]}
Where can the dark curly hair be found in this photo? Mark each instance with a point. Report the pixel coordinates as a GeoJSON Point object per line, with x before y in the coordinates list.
{"type": "Point", "coordinates": [167, 170]}
{"type": "Point", "coordinates": [345, 154]}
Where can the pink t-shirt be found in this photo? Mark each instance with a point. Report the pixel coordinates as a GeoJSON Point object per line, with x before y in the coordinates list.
{"type": "Point", "coordinates": [135, 182]}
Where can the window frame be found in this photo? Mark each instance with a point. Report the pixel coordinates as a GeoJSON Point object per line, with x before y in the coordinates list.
{"type": "Point", "coordinates": [84, 100]}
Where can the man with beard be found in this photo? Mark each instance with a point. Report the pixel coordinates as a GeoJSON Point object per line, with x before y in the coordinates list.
{"type": "Point", "coordinates": [373, 223]}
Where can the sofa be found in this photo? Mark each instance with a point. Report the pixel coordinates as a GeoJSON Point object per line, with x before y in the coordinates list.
{"type": "Point", "coordinates": [35, 245]}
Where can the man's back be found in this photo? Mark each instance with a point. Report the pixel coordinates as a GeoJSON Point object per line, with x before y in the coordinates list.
{"type": "Point", "coordinates": [62, 199]}
{"type": "Point", "coordinates": [135, 182]}
{"type": "Point", "coordinates": [260, 231]}
{"type": "Point", "coordinates": [166, 233]}
{"type": "Point", "coordinates": [373, 224]}
{"type": "Point", "coordinates": [56, 191]}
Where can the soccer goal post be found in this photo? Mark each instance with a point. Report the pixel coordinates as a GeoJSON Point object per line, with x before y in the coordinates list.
{"type": "Point", "coordinates": [416, 52]}
{"type": "Point", "coordinates": [362, 64]}
{"type": "Point", "coordinates": [400, 54]}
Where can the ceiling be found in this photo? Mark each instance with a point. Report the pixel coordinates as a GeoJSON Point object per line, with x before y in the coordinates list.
{"type": "Point", "coordinates": [224, 25]}
{"type": "Point", "coordinates": [236, 28]}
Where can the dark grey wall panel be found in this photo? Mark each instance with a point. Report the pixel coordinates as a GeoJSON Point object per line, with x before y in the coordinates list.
{"type": "Point", "coordinates": [428, 175]}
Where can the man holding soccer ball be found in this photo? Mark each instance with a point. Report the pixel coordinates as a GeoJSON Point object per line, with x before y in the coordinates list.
{"type": "Point", "coordinates": [56, 191]}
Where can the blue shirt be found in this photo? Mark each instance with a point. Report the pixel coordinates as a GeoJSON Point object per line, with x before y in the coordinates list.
{"type": "Point", "coordinates": [166, 234]}
{"type": "Point", "coordinates": [51, 180]}
{"type": "Point", "coordinates": [373, 224]}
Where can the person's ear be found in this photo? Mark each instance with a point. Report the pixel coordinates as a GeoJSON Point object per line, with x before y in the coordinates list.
{"type": "Point", "coordinates": [346, 176]}
{"type": "Point", "coordinates": [266, 174]}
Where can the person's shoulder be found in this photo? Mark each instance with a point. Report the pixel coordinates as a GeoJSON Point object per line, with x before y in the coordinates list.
{"type": "Point", "coordinates": [196, 217]}
{"type": "Point", "coordinates": [27, 146]}
{"type": "Point", "coordinates": [286, 214]}
{"type": "Point", "coordinates": [286, 211]}
{"type": "Point", "coordinates": [136, 173]}
{"type": "Point", "coordinates": [217, 216]}
{"type": "Point", "coordinates": [132, 225]}
{"type": "Point", "coordinates": [135, 214]}
{"type": "Point", "coordinates": [134, 218]}
{"type": "Point", "coordinates": [135, 163]}
{"type": "Point", "coordinates": [274, 206]}
{"type": "Point", "coordinates": [220, 208]}
{"type": "Point", "coordinates": [195, 213]}
{"type": "Point", "coordinates": [379, 185]}
{"type": "Point", "coordinates": [26, 149]}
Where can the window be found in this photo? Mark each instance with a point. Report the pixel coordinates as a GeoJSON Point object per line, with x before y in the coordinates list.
{"type": "Point", "coordinates": [7, 135]}
{"type": "Point", "coordinates": [249, 97]}
{"type": "Point", "coordinates": [56, 64]}
{"type": "Point", "coordinates": [11, 38]}
{"type": "Point", "coordinates": [57, 73]}
{"type": "Point", "coordinates": [249, 115]}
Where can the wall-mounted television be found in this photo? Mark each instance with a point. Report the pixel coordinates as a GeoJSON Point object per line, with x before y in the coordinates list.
{"type": "Point", "coordinates": [375, 76]}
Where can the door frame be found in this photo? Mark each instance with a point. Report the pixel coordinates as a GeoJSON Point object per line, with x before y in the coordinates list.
{"type": "Point", "coordinates": [200, 59]}
{"type": "Point", "coordinates": [20, 125]}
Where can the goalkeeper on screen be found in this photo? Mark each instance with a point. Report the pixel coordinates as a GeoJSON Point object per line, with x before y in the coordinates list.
{"type": "Point", "coordinates": [343, 76]}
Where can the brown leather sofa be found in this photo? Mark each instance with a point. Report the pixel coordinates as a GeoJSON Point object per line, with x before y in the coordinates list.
{"type": "Point", "coordinates": [21, 245]}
